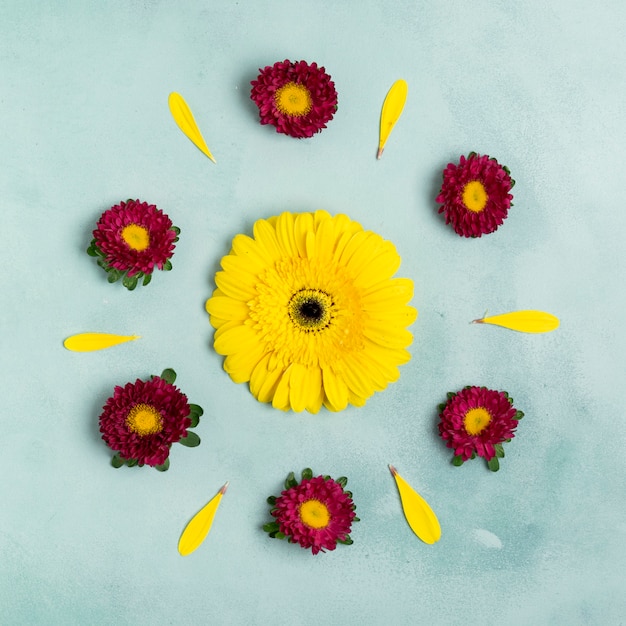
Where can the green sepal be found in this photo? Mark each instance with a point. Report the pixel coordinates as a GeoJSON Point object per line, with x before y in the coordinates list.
{"type": "Point", "coordinates": [307, 473]}
{"type": "Point", "coordinates": [164, 466]}
{"type": "Point", "coordinates": [471, 154]}
{"type": "Point", "coordinates": [175, 229]}
{"type": "Point", "coordinates": [342, 480]}
{"type": "Point", "coordinates": [493, 464]}
{"type": "Point", "coordinates": [114, 275]}
{"type": "Point", "coordinates": [441, 407]}
{"type": "Point", "coordinates": [271, 527]}
{"type": "Point", "coordinates": [518, 415]}
{"type": "Point", "coordinates": [131, 462]}
{"type": "Point", "coordinates": [167, 266]}
{"type": "Point", "coordinates": [195, 420]}
{"type": "Point", "coordinates": [191, 440]}
{"type": "Point", "coordinates": [168, 375]}
{"type": "Point", "coordinates": [473, 455]}
{"type": "Point", "coordinates": [91, 251]}
{"type": "Point", "coordinates": [271, 500]}
{"type": "Point", "coordinates": [130, 282]}
{"type": "Point", "coordinates": [291, 481]}
{"type": "Point", "coordinates": [457, 460]}
{"type": "Point", "coordinates": [146, 279]}
{"type": "Point", "coordinates": [346, 542]}
{"type": "Point", "coordinates": [326, 477]}
{"type": "Point", "coordinates": [356, 519]}
{"type": "Point", "coordinates": [451, 395]}
{"type": "Point", "coordinates": [499, 450]}
{"type": "Point", "coordinates": [348, 493]}
{"type": "Point", "coordinates": [117, 461]}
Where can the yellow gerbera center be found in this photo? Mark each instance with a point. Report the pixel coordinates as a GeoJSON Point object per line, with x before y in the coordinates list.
{"type": "Point", "coordinates": [144, 419]}
{"type": "Point", "coordinates": [136, 237]}
{"type": "Point", "coordinates": [293, 99]}
{"type": "Point", "coordinates": [310, 309]}
{"type": "Point", "coordinates": [476, 420]}
{"type": "Point", "coordinates": [314, 514]}
{"type": "Point", "coordinates": [475, 196]}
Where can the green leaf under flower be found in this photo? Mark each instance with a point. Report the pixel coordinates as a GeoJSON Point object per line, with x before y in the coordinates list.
{"type": "Point", "coordinates": [291, 481]}
{"type": "Point", "coordinates": [117, 461]}
{"type": "Point", "coordinates": [191, 440]}
{"type": "Point", "coordinates": [168, 375]}
{"type": "Point", "coordinates": [499, 450]}
{"type": "Point", "coordinates": [493, 464]}
{"type": "Point", "coordinates": [457, 460]}
{"type": "Point", "coordinates": [346, 542]}
{"type": "Point", "coordinates": [146, 279]}
{"type": "Point", "coordinates": [164, 466]}
{"type": "Point", "coordinates": [307, 473]}
{"type": "Point", "coordinates": [342, 480]}
{"type": "Point", "coordinates": [167, 266]}
{"type": "Point", "coordinates": [271, 500]}
{"type": "Point", "coordinates": [130, 282]}
{"type": "Point", "coordinates": [519, 415]}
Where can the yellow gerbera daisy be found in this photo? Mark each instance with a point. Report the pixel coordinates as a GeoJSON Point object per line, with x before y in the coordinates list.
{"type": "Point", "coordinates": [308, 313]}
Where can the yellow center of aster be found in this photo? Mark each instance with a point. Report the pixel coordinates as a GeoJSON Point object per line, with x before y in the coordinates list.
{"type": "Point", "coordinates": [310, 309]}
{"type": "Point", "coordinates": [475, 196]}
{"type": "Point", "coordinates": [314, 514]}
{"type": "Point", "coordinates": [293, 99]}
{"type": "Point", "coordinates": [476, 420]}
{"type": "Point", "coordinates": [144, 419]}
{"type": "Point", "coordinates": [136, 237]}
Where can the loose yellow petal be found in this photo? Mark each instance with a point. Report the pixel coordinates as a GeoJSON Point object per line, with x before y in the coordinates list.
{"type": "Point", "coordinates": [89, 342]}
{"type": "Point", "coordinates": [419, 515]}
{"type": "Point", "coordinates": [200, 524]}
{"type": "Point", "coordinates": [523, 321]}
{"type": "Point", "coordinates": [392, 109]}
{"type": "Point", "coordinates": [184, 119]}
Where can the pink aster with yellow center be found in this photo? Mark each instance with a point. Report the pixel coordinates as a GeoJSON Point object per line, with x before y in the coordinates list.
{"type": "Point", "coordinates": [131, 239]}
{"type": "Point", "coordinates": [317, 513]}
{"type": "Point", "coordinates": [477, 421]}
{"type": "Point", "coordinates": [295, 97]}
{"type": "Point", "coordinates": [475, 195]}
{"type": "Point", "coordinates": [142, 420]}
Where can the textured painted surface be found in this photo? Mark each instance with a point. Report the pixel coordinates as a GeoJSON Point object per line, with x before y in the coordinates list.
{"type": "Point", "coordinates": [84, 124]}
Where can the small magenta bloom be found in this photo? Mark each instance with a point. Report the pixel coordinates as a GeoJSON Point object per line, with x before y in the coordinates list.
{"type": "Point", "coordinates": [295, 97]}
{"type": "Point", "coordinates": [142, 420]}
{"type": "Point", "coordinates": [131, 240]}
{"type": "Point", "coordinates": [317, 513]}
{"type": "Point", "coordinates": [475, 195]}
{"type": "Point", "coordinates": [476, 421]}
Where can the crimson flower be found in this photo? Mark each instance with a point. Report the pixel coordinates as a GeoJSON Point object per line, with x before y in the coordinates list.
{"type": "Point", "coordinates": [317, 513]}
{"type": "Point", "coordinates": [475, 195]}
{"type": "Point", "coordinates": [476, 421]}
{"type": "Point", "coordinates": [131, 239]}
{"type": "Point", "coordinates": [142, 420]}
{"type": "Point", "coordinates": [295, 97]}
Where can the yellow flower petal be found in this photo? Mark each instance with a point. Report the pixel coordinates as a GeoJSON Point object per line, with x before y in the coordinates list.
{"type": "Point", "coordinates": [236, 339]}
{"type": "Point", "coordinates": [336, 390]}
{"type": "Point", "coordinates": [227, 308]}
{"type": "Point", "coordinates": [303, 224]}
{"type": "Point", "coordinates": [228, 283]}
{"type": "Point", "coordinates": [285, 234]}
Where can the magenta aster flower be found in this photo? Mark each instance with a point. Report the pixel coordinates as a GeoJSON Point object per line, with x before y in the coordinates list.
{"type": "Point", "coordinates": [475, 195]}
{"type": "Point", "coordinates": [141, 421]}
{"type": "Point", "coordinates": [131, 239]}
{"type": "Point", "coordinates": [317, 513]}
{"type": "Point", "coordinates": [297, 98]}
{"type": "Point", "coordinates": [476, 421]}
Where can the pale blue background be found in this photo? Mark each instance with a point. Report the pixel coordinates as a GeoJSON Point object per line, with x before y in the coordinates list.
{"type": "Point", "coordinates": [84, 124]}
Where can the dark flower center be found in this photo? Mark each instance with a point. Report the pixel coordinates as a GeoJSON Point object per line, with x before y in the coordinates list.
{"type": "Point", "coordinates": [310, 309]}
